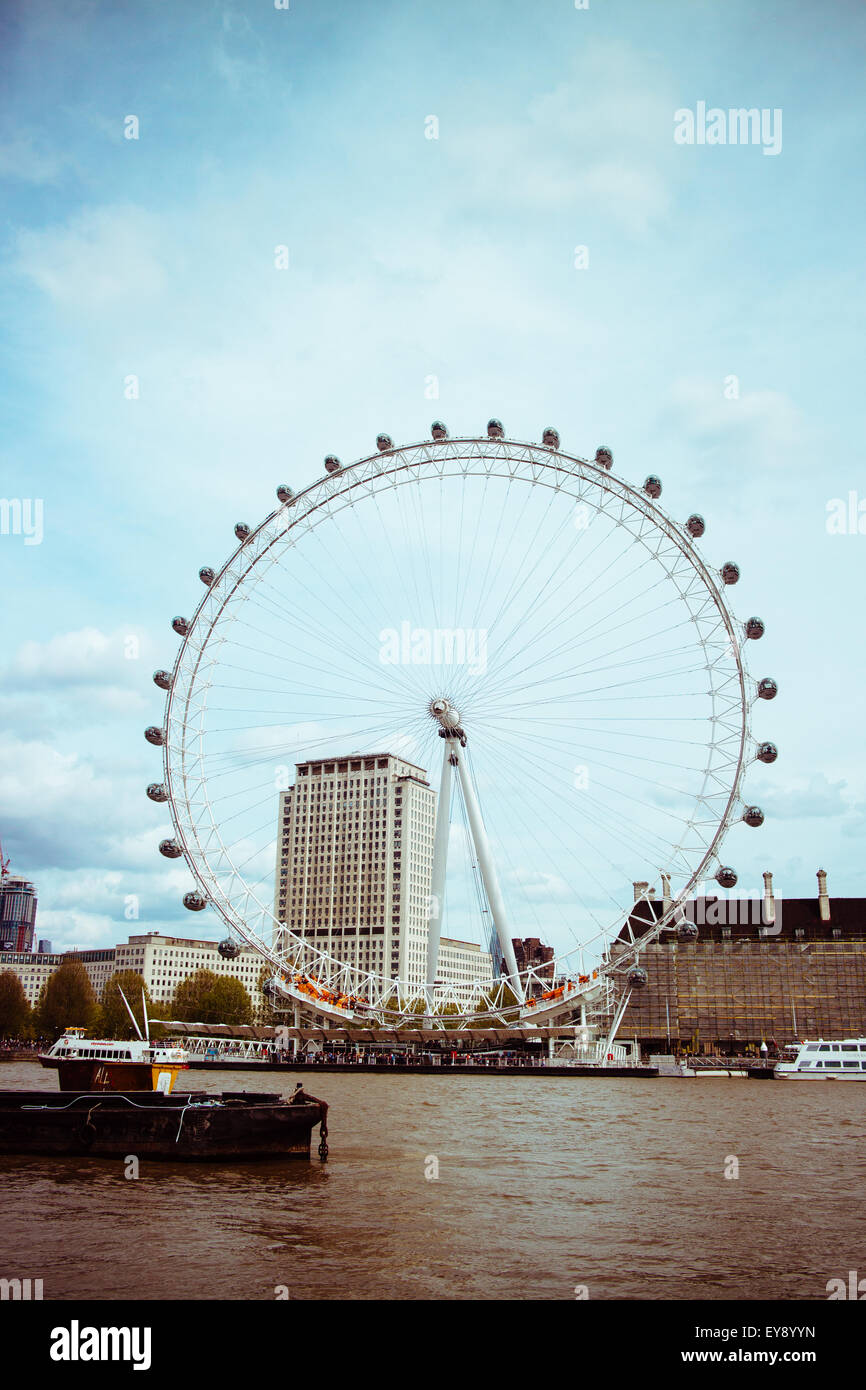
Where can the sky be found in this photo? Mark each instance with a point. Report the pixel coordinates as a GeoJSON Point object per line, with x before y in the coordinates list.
{"type": "Point", "coordinates": [343, 218]}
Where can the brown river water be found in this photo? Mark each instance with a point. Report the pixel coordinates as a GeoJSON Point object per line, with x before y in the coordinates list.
{"type": "Point", "coordinates": [545, 1185]}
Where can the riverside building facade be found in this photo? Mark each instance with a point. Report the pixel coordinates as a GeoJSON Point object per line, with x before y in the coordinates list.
{"type": "Point", "coordinates": [162, 961]}
{"type": "Point", "coordinates": [33, 968]}
{"type": "Point", "coordinates": [756, 970]}
{"type": "Point", "coordinates": [354, 865]}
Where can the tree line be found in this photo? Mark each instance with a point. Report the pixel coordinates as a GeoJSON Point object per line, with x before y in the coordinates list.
{"type": "Point", "coordinates": [67, 1000]}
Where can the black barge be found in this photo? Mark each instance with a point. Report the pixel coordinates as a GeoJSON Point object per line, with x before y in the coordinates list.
{"type": "Point", "coordinates": [198, 1126]}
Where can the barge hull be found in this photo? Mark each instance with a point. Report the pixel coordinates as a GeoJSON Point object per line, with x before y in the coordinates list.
{"type": "Point", "coordinates": [114, 1076]}
{"type": "Point", "coordinates": [178, 1128]}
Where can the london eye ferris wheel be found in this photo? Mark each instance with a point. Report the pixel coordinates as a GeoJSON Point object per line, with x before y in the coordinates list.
{"type": "Point", "coordinates": [549, 652]}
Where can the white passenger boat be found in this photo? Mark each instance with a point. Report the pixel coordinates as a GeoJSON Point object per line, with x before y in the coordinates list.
{"type": "Point", "coordinates": [826, 1061]}
{"type": "Point", "coordinates": [105, 1064]}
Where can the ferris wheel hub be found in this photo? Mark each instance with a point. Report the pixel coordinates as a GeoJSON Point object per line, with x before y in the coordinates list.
{"type": "Point", "coordinates": [444, 712]}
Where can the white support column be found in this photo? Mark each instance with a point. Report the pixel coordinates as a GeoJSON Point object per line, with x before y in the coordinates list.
{"type": "Point", "coordinates": [440, 863]}
{"type": "Point", "coordinates": [617, 1020]}
{"type": "Point", "coordinates": [488, 870]}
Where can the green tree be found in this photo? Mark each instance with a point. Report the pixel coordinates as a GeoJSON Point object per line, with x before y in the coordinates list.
{"type": "Point", "coordinates": [208, 998]}
{"type": "Point", "coordinates": [158, 1010]}
{"type": "Point", "coordinates": [66, 1000]}
{"type": "Point", "coordinates": [189, 1003]}
{"type": "Point", "coordinates": [502, 1003]}
{"type": "Point", "coordinates": [414, 1014]}
{"type": "Point", "coordinates": [447, 1011]}
{"type": "Point", "coordinates": [114, 1020]}
{"type": "Point", "coordinates": [16, 1015]}
{"type": "Point", "coordinates": [229, 1002]}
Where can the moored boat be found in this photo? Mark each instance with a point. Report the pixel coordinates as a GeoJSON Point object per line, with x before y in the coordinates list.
{"type": "Point", "coordinates": [195, 1126]}
{"type": "Point", "coordinates": [103, 1064]}
{"type": "Point", "coordinates": [817, 1060]}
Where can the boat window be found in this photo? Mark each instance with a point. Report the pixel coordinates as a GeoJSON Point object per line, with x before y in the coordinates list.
{"type": "Point", "coordinates": [849, 1047]}
{"type": "Point", "coordinates": [825, 1047]}
{"type": "Point", "coordinates": [852, 1064]}
{"type": "Point", "coordinates": [812, 1047]}
{"type": "Point", "coordinates": [819, 1064]}
{"type": "Point", "coordinates": [834, 1064]}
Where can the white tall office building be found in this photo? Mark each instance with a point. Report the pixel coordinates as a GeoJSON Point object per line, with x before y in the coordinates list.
{"type": "Point", "coordinates": [354, 862]}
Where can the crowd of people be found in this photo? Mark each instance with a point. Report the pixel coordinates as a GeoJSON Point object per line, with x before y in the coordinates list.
{"type": "Point", "coordinates": [34, 1045]}
{"type": "Point", "coordinates": [409, 1059]}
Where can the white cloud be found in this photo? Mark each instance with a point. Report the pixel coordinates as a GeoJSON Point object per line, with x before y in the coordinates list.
{"type": "Point", "coordinates": [765, 423]}
{"type": "Point", "coordinates": [78, 679]}
{"type": "Point", "coordinates": [104, 256]}
{"type": "Point", "coordinates": [26, 159]}
{"type": "Point", "coordinates": [819, 798]}
{"type": "Point", "coordinates": [539, 887]}
{"type": "Point", "coordinates": [86, 657]}
{"type": "Point", "coordinates": [76, 929]}
{"type": "Point", "coordinates": [239, 55]}
{"type": "Point", "coordinates": [69, 811]}
{"type": "Point", "coordinates": [593, 139]}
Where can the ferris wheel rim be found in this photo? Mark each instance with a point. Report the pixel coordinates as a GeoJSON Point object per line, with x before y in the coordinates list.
{"type": "Point", "coordinates": [386, 464]}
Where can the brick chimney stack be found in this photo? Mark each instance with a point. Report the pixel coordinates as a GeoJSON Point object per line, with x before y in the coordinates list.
{"type": "Point", "coordinates": [823, 896]}
{"type": "Point", "coordinates": [666, 892]}
{"type": "Point", "coordinates": [769, 909]}
{"type": "Point", "coordinates": [641, 890]}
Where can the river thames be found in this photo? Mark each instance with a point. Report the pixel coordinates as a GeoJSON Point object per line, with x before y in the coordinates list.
{"type": "Point", "coordinates": [547, 1188]}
